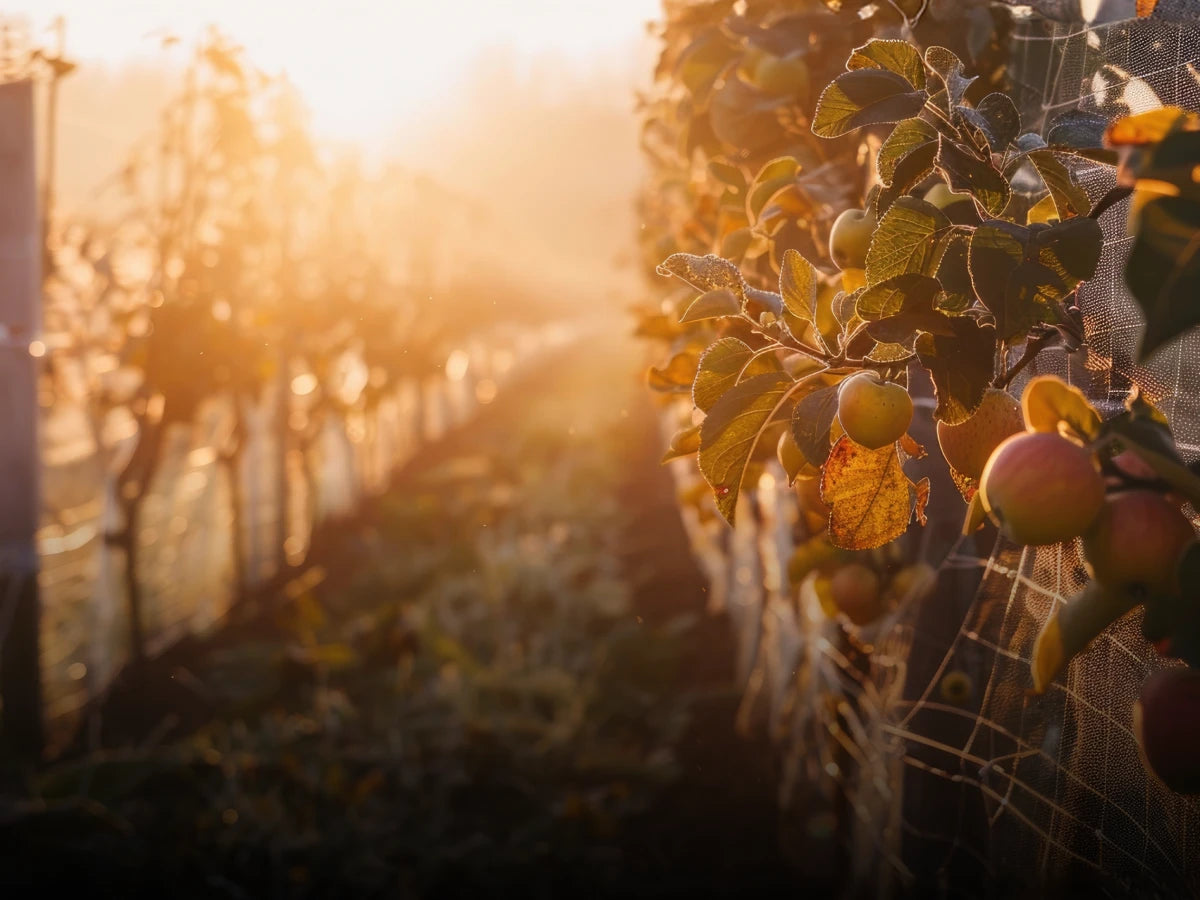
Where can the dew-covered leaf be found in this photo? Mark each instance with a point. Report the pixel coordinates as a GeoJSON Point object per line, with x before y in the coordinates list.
{"type": "Point", "coordinates": [948, 70]}
{"type": "Point", "coordinates": [705, 273]}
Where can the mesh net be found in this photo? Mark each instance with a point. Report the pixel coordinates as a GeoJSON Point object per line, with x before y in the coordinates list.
{"type": "Point", "coordinates": [953, 780]}
{"type": "Point", "coordinates": [1005, 786]}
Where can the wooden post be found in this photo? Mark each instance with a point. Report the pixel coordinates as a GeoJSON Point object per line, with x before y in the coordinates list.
{"type": "Point", "coordinates": [20, 323]}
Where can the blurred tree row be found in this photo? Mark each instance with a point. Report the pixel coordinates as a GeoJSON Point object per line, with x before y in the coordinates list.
{"type": "Point", "coordinates": [247, 274]}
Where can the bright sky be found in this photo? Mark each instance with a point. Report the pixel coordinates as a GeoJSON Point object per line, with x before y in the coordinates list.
{"type": "Point", "coordinates": [362, 65]}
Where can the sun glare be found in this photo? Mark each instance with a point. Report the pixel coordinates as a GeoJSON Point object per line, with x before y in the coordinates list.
{"type": "Point", "coordinates": [364, 68]}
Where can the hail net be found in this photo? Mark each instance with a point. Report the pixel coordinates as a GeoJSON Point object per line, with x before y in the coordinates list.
{"type": "Point", "coordinates": [942, 771]}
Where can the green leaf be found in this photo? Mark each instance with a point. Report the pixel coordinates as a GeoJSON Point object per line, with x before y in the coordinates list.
{"type": "Point", "coordinates": [728, 174]}
{"type": "Point", "coordinates": [712, 305]}
{"type": "Point", "coordinates": [737, 243]}
{"type": "Point", "coordinates": [997, 250]}
{"type": "Point", "coordinates": [1077, 128]}
{"type": "Point", "coordinates": [864, 97]}
{"type": "Point", "coordinates": [1022, 273]}
{"type": "Point", "coordinates": [967, 172]}
{"type": "Point", "coordinates": [701, 63]}
{"type": "Point", "coordinates": [1174, 161]}
{"type": "Point", "coordinates": [731, 431]}
{"type": "Point", "coordinates": [900, 307]}
{"type": "Point", "coordinates": [907, 239]}
{"type": "Point", "coordinates": [909, 172]}
{"type": "Point", "coordinates": [1163, 272]}
{"type": "Point", "coordinates": [900, 57]}
{"type": "Point", "coordinates": [812, 421]}
{"type": "Point", "coordinates": [904, 326]}
{"type": "Point", "coordinates": [961, 367]}
{"type": "Point", "coordinates": [684, 442]}
{"type": "Point", "coordinates": [907, 137]}
{"type": "Point", "coordinates": [1069, 198]}
{"type": "Point", "coordinates": [888, 352]}
{"type": "Point", "coordinates": [777, 174]}
{"type": "Point", "coordinates": [998, 118]}
{"type": "Point", "coordinates": [893, 295]}
{"type": "Point", "coordinates": [1071, 249]}
{"type": "Point", "coordinates": [798, 282]}
{"type": "Point", "coordinates": [953, 271]}
{"type": "Point", "coordinates": [742, 117]}
{"type": "Point", "coordinates": [722, 365]}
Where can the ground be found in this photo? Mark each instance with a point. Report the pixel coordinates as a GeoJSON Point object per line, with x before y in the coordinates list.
{"type": "Point", "coordinates": [501, 680]}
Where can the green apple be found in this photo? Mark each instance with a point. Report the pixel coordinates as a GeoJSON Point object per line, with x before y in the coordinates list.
{"type": "Point", "coordinates": [873, 412]}
{"type": "Point", "coordinates": [850, 238]}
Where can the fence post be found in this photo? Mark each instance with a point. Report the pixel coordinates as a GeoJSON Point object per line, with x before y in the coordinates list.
{"type": "Point", "coordinates": [20, 300]}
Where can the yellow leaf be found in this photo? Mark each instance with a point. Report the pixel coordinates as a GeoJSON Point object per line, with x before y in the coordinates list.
{"type": "Point", "coordinates": [976, 515]}
{"type": "Point", "coordinates": [677, 374]}
{"type": "Point", "coordinates": [1045, 210]}
{"type": "Point", "coordinates": [1048, 654]}
{"type": "Point", "coordinates": [1049, 401]}
{"type": "Point", "coordinates": [683, 443]}
{"type": "Point", "coordinates": [853, 279]}
{"type": "Point", "coordinates": [909, 445]}
{"type": "Point", "coordinates": [1150, 127]}
{"type": "Point", "coordinates": [1071, 627]}
{"type": "Point", "coordinates": [871, 499]}
{"type": "Point", "coordinates": [921, 500]}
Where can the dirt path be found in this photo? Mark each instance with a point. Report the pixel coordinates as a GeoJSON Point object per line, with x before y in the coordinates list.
{"type": "Point", "coordinates": [534, 745]}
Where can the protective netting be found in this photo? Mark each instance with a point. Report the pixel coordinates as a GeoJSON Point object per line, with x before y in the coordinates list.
{"type": "Point", "coordinates": [952, 778]}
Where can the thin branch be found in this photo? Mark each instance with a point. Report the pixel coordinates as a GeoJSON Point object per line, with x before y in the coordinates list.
{"type": "Point", "coordinates": [1032, 348]}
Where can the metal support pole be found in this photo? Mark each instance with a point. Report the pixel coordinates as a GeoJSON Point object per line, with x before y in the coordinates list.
{"type": "Point", "coordinates": [20, 324]}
